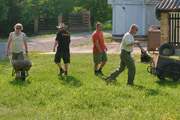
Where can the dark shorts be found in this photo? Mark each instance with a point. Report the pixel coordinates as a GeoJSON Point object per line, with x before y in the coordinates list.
{"type": "Point", "coordinates": [98, 57]}
{"type": "Point", "coordinates": [64, 55]}
{"type": "Point", "coordinates": [17, 56]}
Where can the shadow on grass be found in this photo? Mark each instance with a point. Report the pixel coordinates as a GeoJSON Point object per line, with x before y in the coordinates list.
{"type": "Point", "coordinates": [70, 80]}
{"type": "Point", "coordinates": [169, 82]}
{"type": "Point", "coordinates": [149, 92]}
{"type": "Point", "coordinates": [20, 82]}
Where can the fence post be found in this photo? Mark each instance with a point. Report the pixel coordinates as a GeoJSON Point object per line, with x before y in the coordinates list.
{"type": "Point", "coordinates": [89, 19]}
{"type": "Point", "coordinates": [36, 25]}
{"type": "Point", "coordinates": [59, 19]}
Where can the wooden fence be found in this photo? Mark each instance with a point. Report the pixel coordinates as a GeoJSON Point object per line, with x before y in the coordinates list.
{"type": "Point", "coordinates": [75, 22]}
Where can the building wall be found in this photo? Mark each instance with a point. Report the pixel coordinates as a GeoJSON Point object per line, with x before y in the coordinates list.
{"type": "Point", "coordinates": [151, 17]}
{"type": "Point", "coordinates": [128, 12]}
{"type": "Point", "coordinates": [124, 16]}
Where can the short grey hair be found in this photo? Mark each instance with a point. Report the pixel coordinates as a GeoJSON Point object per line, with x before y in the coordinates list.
{"type": "Point", "coordinates": [133, 26]}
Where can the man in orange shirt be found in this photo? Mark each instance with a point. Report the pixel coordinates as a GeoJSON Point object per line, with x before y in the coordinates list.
{"type": "Point", "coordinates": [99, 50]}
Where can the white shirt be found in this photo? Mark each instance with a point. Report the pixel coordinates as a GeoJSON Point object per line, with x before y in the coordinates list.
{"type": "Point", "coordinates": [127, 39]}
{"type": "Point", "coordinates": [17, 42]}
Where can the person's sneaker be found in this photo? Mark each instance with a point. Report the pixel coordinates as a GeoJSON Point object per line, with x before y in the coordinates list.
{"type": "Point", "coordinates": [108, 80]}
{"type": "Point", "coordinates": [130, 84]}
{"type": "Point", "coordinates": [61, 72]}
{"type": "Point", "coordinates": [100, 72]}
{"type": "Point", "coordinates": [65, 73]}
{"type": "Point", "coordinates": [96, 73]}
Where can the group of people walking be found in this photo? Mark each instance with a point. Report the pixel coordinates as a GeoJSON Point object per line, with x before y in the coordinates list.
{"type": "Point", "coordinates": [17, 40]}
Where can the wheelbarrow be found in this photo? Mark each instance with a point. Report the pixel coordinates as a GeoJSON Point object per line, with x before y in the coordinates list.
{"type": "Point", "coordinates": [162, 66]}
{"type": "Point", "coordinates": [22, 66]}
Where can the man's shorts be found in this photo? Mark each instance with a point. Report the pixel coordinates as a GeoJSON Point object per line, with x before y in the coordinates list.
{"type": "Point", "coordinates": [64, 55]}
{"type": "Point", "coordinates": [17, 56]}
{"type": "Point", "coordinates": [98, 57]}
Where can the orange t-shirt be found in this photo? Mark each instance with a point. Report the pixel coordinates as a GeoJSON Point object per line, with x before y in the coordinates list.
{"type": "Point", "coordinates": [98, 36]}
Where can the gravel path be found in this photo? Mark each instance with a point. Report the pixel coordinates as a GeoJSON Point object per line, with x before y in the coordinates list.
{"type": "Point", "coordinates": [46, 44]}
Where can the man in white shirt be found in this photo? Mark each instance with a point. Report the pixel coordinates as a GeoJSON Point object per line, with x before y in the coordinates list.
{"type": "Point", "coordinates": [125, 56]}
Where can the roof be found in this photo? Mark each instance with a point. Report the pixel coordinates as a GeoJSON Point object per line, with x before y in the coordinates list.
{"type": "Point", "coordinates": [169, 5]}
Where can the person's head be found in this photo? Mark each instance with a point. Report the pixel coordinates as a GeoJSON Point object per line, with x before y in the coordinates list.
{"type": "Point", "coordinates": [133, 29]}
{"type": "Point", "coordinates": [18, 27]}
{"type": "Point", "coordinates": [61, 26]}
{"type": "Point", "coordinates": [60, 29]}
{"type": "Point", "coordinates": [99, 26]}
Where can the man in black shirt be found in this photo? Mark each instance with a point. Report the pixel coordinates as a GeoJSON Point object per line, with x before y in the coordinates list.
{"type": "Point", "coordinates": [63, 41]}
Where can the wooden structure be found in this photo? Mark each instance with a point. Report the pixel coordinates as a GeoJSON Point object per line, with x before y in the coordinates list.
{"type": "Point", "coordinates": [76, 23]}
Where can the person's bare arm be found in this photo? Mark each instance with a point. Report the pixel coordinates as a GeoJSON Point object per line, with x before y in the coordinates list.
{"type": "Point", "coordinates": [55, 44]}
{"type": "Point", "coordinates": [8, 45]}
{"type": "Point", "coordinates": [25, 44]}
{"type": "Point", "coordinates": [98, 47]}
{"type": "Point", "coordinates": [133, 43]}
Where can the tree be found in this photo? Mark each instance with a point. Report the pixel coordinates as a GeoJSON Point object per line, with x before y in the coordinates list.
{"type": "Point", "coordinates": [24, 11]}
{"type": "Point", "coordinates": [3, 10]}
{"type": "Point", "coordinates": [99, 10]}
{"type": "Point", "coordinates": [51, 8]}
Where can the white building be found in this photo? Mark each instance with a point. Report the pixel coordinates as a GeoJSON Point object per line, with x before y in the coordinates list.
{"type": "Point", "coordinates": [128, 12]}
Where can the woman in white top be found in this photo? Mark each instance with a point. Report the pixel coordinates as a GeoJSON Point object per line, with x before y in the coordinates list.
{"type": "Point", "coordinates": [17, 40]}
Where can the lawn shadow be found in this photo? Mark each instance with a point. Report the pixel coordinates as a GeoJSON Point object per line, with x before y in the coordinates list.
{"type": "Point", "coordinates": [20, 82]}
{"type": "Point", "coordinates": [70, 80]}
{"type": "Point", "coordinates": [149, 92]}
{"type": "Point", "coordinates": [168, 82]}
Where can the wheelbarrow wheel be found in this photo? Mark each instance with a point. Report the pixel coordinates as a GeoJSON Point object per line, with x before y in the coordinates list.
{"type": "Point", "coordinates": [23, 74]}
{"type": "Point", "coordinates": [161, 78]}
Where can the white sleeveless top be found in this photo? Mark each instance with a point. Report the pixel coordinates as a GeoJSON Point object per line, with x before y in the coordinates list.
{"type": "Point", "coordinates": [17, 42]}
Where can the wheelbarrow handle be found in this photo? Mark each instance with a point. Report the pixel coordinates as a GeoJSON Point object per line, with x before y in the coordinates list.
{"type": "Point", "coordinates": [144, 52]}
{"type": "Point", "coordinates": [140, 47]}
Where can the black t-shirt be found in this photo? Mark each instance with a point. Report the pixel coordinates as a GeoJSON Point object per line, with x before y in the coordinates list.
{"type": "Point", "coordinates": [63, 38]}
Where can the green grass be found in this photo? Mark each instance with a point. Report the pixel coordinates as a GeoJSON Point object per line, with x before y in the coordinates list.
{"type": "Point", "coordinates": [41, 36]}
{"type": "Point", "coordinates": [81, 95]}
{"type": "Point", "coordinates": [108, 38]}
{"type": "Point", "coordinates": [3, 40]}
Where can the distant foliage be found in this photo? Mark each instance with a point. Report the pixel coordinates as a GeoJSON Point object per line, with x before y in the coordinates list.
{"type": "Point", "coordinates": [99, 9]}
{"type": "Point", "coordinates": [24, 11]}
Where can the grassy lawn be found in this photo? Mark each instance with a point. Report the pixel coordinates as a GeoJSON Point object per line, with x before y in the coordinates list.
{"type": "Point", "coordinates": [3, 40]}
{"type": "Point", "coordinates": [81, 95]}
